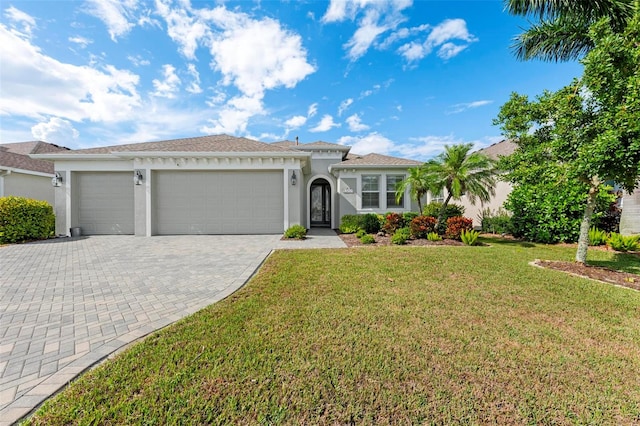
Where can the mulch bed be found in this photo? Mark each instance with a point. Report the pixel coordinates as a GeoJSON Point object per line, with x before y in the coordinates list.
{"type": "Point", "coordinates": [598, 273]}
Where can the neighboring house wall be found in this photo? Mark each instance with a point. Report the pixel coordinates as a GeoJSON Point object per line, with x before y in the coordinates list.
{"type": "Point", "coordinates": [630, 219]}
{"type": "Point", "coordinates": [26, 185]}
{"type": "Point", "coordinates": [503, 189]}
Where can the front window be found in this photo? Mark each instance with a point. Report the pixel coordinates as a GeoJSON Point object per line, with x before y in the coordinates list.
{"type": "Point", "coordinates": [392, 184]}
{"type": "Point", "coordinates": [438, 198]}
{"type": "Point", "coordinates": [370, 191]}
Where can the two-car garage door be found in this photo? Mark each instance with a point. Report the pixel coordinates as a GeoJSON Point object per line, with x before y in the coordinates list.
{"type": "Point", "coordinates": [217, 202]}
{"type": "Point", "coordinates": [182, 202]}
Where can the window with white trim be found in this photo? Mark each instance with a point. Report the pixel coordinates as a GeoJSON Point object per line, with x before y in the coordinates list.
{"type": "Point", "coordinates": [438, 198]}
{"type": "Point", "coordinates": [370, 191]}
{"type": "Point", "coordinates": [392, 184]}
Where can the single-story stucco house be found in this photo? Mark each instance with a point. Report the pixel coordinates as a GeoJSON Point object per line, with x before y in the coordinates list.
{"type": "Point", "coordinates": [23, 176]}
{"type": "Point", "coordinates": [219, 185]}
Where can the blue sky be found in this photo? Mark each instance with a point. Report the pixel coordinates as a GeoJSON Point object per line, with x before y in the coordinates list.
{"type": "Point", "coordinates": [399, 77]}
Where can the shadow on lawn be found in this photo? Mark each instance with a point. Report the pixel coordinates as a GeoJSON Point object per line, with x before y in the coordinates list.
{"type": "Point", "coordinates": [507, 242]}
{"type": "Point", "coordinates": [626, 262]}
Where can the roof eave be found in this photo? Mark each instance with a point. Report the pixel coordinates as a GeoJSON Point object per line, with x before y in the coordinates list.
{"type": "Point", "coordinates": [370, 166]}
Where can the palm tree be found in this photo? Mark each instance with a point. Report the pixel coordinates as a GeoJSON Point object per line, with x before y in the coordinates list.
{"type": "Point", "coordinates": [562, 32]}
{"type": "Point", "coordinates": [461, 173]}
{"type": "Point", "coordinates": [417, 183]}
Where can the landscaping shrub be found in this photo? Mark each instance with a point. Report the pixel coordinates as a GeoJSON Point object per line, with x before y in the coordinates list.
{"type": "Point", "coordinates": [433, 236]}
{"type": "Point", "coordinates": [367, 239]}
{"type": "Point", "coordinates": [546, 212]}
{"type": "Point", "coordinates": [624, 243]}
{"type": "Point", "coordinates": [409, 216]}
{"type": "Point", "coordinates": [421, 226]}
{"type": "Point", "coordinates": [457, 224]}
{"type": "Point", "coordinates": [469, 237]}
{"type": "Point", "coordinates": [24, 219]}
{"type": "Point", "coordinates": [350, 223]}
{"type": "Point", "coordinates": [370, 223]}
{"type": "Point", "coordinates": [401, 236]}
{"type": "Point", "coordinates": [393, 222]}
{"type": "Point", "coordinates": [433, 209]}
{"type": "Point", "coordinates": [298, 232]}
{"type": "Point", "coordinates": [597, 237]}
{"type": "Point", "coordinates": [361, 233]}
{"type": "Point", "coordinates": [495, 222]}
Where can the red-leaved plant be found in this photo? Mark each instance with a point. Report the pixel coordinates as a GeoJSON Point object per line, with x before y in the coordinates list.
{"type": "Point", "coordinates": [392, 223]}
{"type": "Point", "coordinates": [455, 226]}
{"type": "Point", "coordinates": [422, 225]}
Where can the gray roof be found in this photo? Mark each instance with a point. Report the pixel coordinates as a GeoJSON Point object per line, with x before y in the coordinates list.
{"type": "Point", "coordinates": [499, 149]}
{"type": "Point", "coordinates": [16, 155]}
{"type": "Point", "coordinates": [215, 143]}
{"type": "Point", "coordinates": [375, 160]}
{"type": "Point", "coordinates": [24, 162]}
{"type": "Point", "coordinates": [317, 145]}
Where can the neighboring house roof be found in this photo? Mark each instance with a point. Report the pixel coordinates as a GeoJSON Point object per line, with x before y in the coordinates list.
{"type": "Point", "coordinates": [215, 143]}
{"type": "Point", "coordinates": [312, 145]}
{"type": "Point", "coordinates": [499, 149]}
{"type": "Point", "coordinates": [31, 147]}
{"type": "Point", "coordinates": [16, 156]}
{"type": "Point", "coordinates": [375, 160]}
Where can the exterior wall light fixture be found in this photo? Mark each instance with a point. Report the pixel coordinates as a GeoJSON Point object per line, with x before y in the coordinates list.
{"type": "Point", "coordinates": [56, 180]}
{"type": "Point", "coordinates": [137, 177]}
{"type": "Point", "coordinates": [294, 178]}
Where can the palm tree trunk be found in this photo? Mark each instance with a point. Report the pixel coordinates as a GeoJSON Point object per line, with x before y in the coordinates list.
{"type": "Point", "coordinates": [583, 239]}
{"type": "Point", "coordinates": [442, 225]}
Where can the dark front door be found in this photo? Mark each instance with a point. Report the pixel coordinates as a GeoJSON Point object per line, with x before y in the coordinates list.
{"type": "Point", "coordinates": [320, 203]}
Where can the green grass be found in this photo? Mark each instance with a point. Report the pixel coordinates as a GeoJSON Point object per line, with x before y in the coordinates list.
{"type": "Point", "coordinates": [398, 335]}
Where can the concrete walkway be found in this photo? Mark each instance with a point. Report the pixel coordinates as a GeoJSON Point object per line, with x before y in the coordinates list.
{"type": "Point", "coordinates": [66, 304]}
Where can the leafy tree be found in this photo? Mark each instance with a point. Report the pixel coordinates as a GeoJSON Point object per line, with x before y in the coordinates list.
{"type": "Point", "coordinates": [590, 128]}
{"type": "Point", "coordinates": [562, 30]}
{"type": "Point", "coordinates": [461, 172]}
{"type": "Point", "coordinates": [417, 183]}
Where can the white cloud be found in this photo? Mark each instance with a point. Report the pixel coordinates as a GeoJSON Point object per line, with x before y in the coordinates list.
{"type": "Point", "coordinates": [194, 86]}
{"type": "Point", "coordinates": [81, 41]}
{"type": "Point", "coordinates": [449, 50]}
{"type": "Point", "coordinates": [168, 87]}
{"type": "Point", "coordinates": [401, 34]}
{"type": "Point", "coordinates": [373, 142]}
{"type": "Point", "coordinates": [313, 110]}
{"type": "Point", "coordinates": [56, 130]}
{"type": "Point", "coordinates": [234, 116]}
{"type": "Point", "coordinates": [457, 108]}
{"type": "Point", "coordinates": [253, 55]}
{"type": "Point", "coordinates": [16, 16]}
{"type": "Point", "coordinates": [296, 122]}
{"type": "Point", "coordinates": [36, 85]}
{"type": "Point", "coordinates": [138, 60]}
{"type": "Point", "coordinates": [355, 124]}
{"type": "Point", "coordinates": [344, 105]}
{"type": "Point", "coordinates": [325, 124]}
{"type": "Point", "coordinates": [440, 36]}
{"type": "Point", "coordinates": [115, 14]}
{"type": "Point", "coordinates": [379, 17]}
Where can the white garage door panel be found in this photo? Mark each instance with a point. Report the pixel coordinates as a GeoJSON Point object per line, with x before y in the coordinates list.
{"type": "Point", "coordinates": [220, 202]}
{"type": "Point", "coordinates": [105, 203]}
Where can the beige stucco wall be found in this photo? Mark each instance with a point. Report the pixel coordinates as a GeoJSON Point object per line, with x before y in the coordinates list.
{"type": "Point", "coordinates": [473, 211]}
{"type": "Point", "coordinates": [29, 186]}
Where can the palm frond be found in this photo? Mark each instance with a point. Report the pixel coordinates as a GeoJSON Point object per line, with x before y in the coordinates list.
{"type": "Point", "coordinates": [558, 40]}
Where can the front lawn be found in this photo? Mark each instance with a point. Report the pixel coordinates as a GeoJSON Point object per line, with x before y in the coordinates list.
{"type": "Point", "coordinates": [399, 335]}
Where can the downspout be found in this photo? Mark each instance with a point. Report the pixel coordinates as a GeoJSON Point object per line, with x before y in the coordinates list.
{"type": "Point", "coordinates": [3, 173]}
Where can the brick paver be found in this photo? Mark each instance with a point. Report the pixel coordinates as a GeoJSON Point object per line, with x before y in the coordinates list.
{"type": "Point", "coordinates": [66, 304]}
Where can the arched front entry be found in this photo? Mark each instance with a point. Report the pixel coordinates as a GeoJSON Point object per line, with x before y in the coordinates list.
{"type": "Point", "coordinates": [320, 203]}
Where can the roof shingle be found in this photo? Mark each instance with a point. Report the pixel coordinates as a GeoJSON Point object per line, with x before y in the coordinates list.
{"type": "Point", "coordinates": [376, 160]}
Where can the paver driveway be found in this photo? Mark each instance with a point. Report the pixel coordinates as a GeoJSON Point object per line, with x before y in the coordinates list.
{"type": "Point", "coordinates": [67, 303]}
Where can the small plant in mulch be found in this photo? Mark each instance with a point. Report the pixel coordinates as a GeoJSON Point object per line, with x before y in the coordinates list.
{"type": "Point", "coordinates": [297, 232]}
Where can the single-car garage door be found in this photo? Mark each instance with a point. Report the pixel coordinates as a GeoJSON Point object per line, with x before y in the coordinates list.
{"type": "Point", "coordinates": [104, 202]}
{"type": "Point", "coordinates": [218, 202]}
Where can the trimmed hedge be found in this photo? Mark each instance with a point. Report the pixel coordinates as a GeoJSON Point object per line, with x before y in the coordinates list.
{"type": "Point", "coordinates": [350, 223]}
{"type": "Point", "coordinates": [23, 219]}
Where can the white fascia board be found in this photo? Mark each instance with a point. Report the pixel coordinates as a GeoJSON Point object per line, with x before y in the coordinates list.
{"type": "Point", "coordinates": [74, 157]}
{"type": "Point", "coordinates": [24, 172]}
